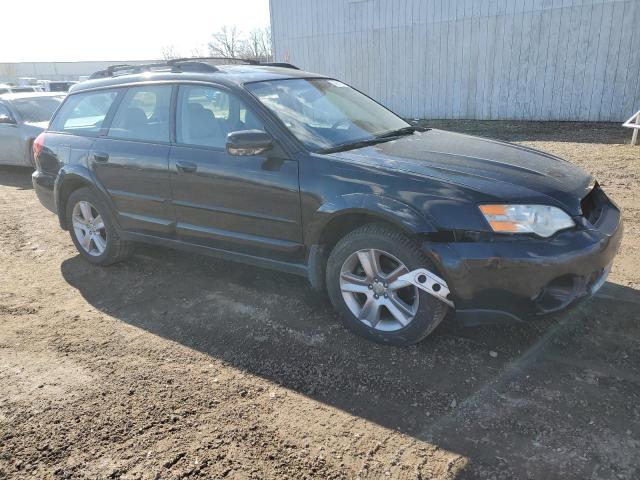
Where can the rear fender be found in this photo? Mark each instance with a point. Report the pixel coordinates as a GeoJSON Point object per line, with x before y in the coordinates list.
{"type": "Point", "coordinates": [71, 177]}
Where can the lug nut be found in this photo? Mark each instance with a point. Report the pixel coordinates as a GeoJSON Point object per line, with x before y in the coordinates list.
{"type": "Point", "coordinates": [370, 286]}
{"type": "Point", "coordinates": [386, 296]}
{"type": "Point", "coordinates": [376, 296]}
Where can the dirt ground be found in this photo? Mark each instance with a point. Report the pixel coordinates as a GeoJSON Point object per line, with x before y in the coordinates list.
{"type": "Point", "coordinates": [174, 365]}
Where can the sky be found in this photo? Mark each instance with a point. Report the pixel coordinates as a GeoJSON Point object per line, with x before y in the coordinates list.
{"type": "Point", "coordinates": [75, 30]}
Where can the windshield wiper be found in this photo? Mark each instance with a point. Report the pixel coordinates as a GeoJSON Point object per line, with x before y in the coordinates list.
{"type": "Point", "coordinates": [358, 144]}
{"type": "Point", "coordinates": [398, 132]}
{"type": "Point", "coordinates": [383, 137]}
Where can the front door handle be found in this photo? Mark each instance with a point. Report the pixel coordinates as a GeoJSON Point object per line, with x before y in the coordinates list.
{"type": "Point", "coordinates": [186, 167]}
{"type": "Point", "coordinates": [101, 157]}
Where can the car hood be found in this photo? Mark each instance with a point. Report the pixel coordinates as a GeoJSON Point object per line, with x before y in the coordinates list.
{"type": "Point", "coordinates": [498, 170]}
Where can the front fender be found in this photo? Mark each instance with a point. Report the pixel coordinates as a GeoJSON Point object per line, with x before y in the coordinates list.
{"type": "Point", "coordinates": [71, 177]}
{"type": "Point", "coordinates": [406, 218]}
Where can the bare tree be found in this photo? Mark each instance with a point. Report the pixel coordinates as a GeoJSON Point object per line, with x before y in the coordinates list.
{"type": "Point", "coordinates": [197, 52]}
{"type": "Point", "coordinates": [169, 52]}
{"type": "Point", "coordinates": [228, 42]}
{"type": "Point", "coordinates": [258, 44]}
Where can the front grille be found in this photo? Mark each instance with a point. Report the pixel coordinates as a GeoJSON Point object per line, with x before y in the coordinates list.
{"type": "Point", "coordinates": [592, 205]}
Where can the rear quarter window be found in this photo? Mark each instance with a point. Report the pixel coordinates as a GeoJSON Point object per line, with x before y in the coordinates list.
{"type": "Point", "coordinates": [84, 113]}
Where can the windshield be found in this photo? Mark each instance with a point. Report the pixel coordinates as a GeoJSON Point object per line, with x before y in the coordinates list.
{"type": "Point", "coordinates": [325, 114]}
{"type": "Point", "coordinates": [37, 109]}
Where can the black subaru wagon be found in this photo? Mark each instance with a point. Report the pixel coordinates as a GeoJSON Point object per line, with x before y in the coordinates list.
{"type": "Point", "coordinates": [280, 168]}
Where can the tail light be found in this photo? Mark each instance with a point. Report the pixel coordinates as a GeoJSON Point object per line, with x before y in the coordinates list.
{"type": "Point", "coordinates": [38, 145]}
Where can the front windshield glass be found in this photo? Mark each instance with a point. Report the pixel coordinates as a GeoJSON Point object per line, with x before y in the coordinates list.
{"type": "Point", "coordinates": [37, 109]}
{"type": "Point", "coordinates": [325, 114]}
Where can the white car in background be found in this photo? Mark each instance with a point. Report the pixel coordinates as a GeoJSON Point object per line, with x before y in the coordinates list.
{"type": "Point", "coordinates": [23, 116]}
{"type": "Point", "coordinates": [6, 88]}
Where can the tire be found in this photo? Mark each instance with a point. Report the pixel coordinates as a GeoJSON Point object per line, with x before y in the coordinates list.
{"type": "Point", "coordinates": [395, 249]}
{"type": "Point", "coordinates": [111, 248]}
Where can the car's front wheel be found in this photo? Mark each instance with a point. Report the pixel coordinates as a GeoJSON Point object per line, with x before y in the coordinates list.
{"type": "Point", "coordinates": [362, 280]}
{"type": "Point", "coordinates": [92, 230]}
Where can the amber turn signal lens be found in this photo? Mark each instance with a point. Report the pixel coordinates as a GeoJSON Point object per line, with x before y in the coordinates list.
{"type": "Point", "coordinates": [491, 210]}
{"type": "Point", "coordinates": [499, 226]}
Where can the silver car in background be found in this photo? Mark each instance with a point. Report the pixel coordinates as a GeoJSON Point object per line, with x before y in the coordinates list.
{"type": "Point", "coordinates": [6, 88]}
{"type": "Point", "coordinates": [23, 116]}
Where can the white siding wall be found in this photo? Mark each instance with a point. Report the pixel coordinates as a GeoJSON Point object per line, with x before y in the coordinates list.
{"type": "Point", "coordinates": [477, 59]}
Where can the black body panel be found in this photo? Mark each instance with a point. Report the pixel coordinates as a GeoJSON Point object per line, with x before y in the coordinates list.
{"type": "Point", "coordinates": [247, 203]}
{"type": "Point", "coordinates": [136, 177]}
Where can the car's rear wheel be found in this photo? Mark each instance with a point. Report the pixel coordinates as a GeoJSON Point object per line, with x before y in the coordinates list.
{"type": "Point", "coordinates": [92, 231]}
{"type": "Point", "coordinates": [362, 279]}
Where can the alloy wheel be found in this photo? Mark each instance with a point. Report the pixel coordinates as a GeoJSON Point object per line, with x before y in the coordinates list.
{"type": "Point", "coordinates": [89, 228]}
{"type": "Point", "coordinates": [372, 292]}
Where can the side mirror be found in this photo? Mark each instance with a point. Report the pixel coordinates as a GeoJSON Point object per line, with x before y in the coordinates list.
{"type": "Point", "coordinates": [6, 119]}
{"type": "Point", "coordinates": [248, 142]}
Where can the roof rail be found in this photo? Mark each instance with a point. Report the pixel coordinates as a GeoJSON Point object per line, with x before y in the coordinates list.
{"type": "Point", "coordinates": [176, 65]}
{"type": "Point", "coordinates": [279, 64]}
{"type": "Point", "coordinates": [248, 61]}
{"type": "Point", "coordinates": [193, 64]}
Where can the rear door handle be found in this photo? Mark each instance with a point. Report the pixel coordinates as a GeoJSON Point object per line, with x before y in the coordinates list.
{"type": "Point", "coordinates": [101, 157]}
{"type": "Point", "coordinates": [186, 167]}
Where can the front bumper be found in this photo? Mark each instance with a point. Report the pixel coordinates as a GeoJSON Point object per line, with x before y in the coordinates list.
{"type": "Point", "coordinates": [517, 278]}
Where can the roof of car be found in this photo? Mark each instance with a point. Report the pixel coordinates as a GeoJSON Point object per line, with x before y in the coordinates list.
{"type": "Point", "coordinates": [19, 95]}
{"type": "Point", "coordinates": [225, 74]}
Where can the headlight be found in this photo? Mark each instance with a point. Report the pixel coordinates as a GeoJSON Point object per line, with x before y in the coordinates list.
{"type": "Point", "coordinates": [542, 220]}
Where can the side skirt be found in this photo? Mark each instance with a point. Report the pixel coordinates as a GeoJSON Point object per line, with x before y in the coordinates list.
{"type": "Point", "coordinates": [293, 268]}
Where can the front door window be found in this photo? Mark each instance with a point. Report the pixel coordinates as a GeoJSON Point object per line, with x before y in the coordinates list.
{"type": "Point", "coordinates": [206, 115]}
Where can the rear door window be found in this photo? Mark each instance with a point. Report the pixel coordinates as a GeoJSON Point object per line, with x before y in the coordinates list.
{"type": "Point", "coordinates": [143, 114]}
{"type": "Point", "coordinates": [84, 112]}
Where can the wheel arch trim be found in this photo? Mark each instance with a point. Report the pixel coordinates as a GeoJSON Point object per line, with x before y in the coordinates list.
{"type": "Point", "coordinates": [388, 209]}
{"type": "Point", "coordinates": [71, 178]}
